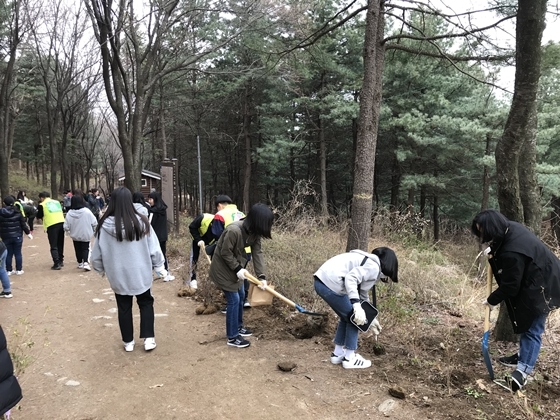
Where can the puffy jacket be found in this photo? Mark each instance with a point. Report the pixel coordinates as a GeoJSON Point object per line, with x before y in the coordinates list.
{"type": "Point", "coordinates": [12, 223]}
{"type": "Point", "coordinates": [10, 391]}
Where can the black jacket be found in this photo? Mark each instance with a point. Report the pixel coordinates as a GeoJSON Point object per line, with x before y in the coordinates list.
{"type": "Point", "coordinates": [159, 222]}
{"type": "Point", "coordinates": [10, 391]}
{"type": "Point", "coordinates": [12, 223]}
{"type": "Point", "coordinates": [528, 276]}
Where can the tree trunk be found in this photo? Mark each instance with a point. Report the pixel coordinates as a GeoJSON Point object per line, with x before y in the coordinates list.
{"type": "Point", "coordinates": [323, 169]}
{"type": "Point", "coordinates": [436, 218]}
{"type": "Point", "coordinates": [486, 176]}
{"type": "Point", "coordinates": [370, 105]}
{"type": "Point", "coordinates": [247, 139]}
{"type": "Point", "coordinates": [555, 218]}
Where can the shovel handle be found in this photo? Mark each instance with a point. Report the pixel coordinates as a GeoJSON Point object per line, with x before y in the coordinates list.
{"type": "Point", "coordinates": [489, 290]}
{"type": "Point", "coordinates": [257, 282]}
{"type": "Point", "coordinates": [203, 250]}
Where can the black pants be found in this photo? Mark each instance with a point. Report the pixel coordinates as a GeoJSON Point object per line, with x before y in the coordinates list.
{"type": "Point", "coordinates": [163, 246]}
{"type": "Point", "coordinates": [82, 251]}
{"type": "Point", "coordinates": [145, 303]}
{"type": "Point", "coordinates": [55, 233]}
{"type": "Point", "coordinates": [30, 221]}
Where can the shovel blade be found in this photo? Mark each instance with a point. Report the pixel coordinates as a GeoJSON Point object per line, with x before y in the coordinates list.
{"type": "Point", "coordinates": [486, 354]}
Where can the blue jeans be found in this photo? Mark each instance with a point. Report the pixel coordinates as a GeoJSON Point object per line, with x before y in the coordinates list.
{"type": "Point", "coordinates": [346, 332]}
{"type": "Point", "coordinates": [530, 345]}
{"type": "Point", "coordinates": [234, 311]}
{"type": "Point", "coordinates": [13, 245]}
{"type": "Point", "coordinates": [6, 287]}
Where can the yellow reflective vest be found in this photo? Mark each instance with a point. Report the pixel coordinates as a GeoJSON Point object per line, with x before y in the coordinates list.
{"type": "Point", "coordinates": [52, 213]}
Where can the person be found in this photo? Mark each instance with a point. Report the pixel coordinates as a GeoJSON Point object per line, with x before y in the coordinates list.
{"type": "Point", "coordinates": [91, 202]}
{"type": "Point", "coordinates": [528, 278]}
{"type": "Point", "coordinates": [50, 211]}
{"type": "Point", "coordinates": [343, 281]}
{"type": "Point", "coordinates": [12, 227]}
{"type": "Point", "coordinates": [97, 195]}
{"type": "Point", "coordinates": [126, 249]}
{"type": "Point", "coordinates": [67, 201]}
{"type": "Point", "coordinates": [227, 269]}
{"type": "Point", "coordinates": [140, 203]}
{"type": "Point", "coordinates": [4, 278]}
{"type": "Point", "coordinates": [158, 219]}
{"type": "Point", "coordinates": [201, 235]}
{"type": "Point", "coordinates": [10, 391]}
{"type": "Point", "coordinates": [80, 223]}
{"type": "Point", "coordinates": [28, 209]}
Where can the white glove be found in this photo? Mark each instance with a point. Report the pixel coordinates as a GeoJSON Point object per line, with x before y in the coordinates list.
{"type": "Point", "coordinates": [375, 328]}
{"type": "Point", "coordinates": [161, 271]}
{"type": "Point", "coordinates": [30, 236]}
{"type": "Point", "coordinates": [262, 286]}
{"type": "Point", "coordinates": [485, 302]}
{"type": "Point", "coordinates": [359, 314]}
{"type": "Point", "coordinates": [487, 251]}
{"type": "Point", "coordinates": [241, 274]}
{"type": "Point", "coordinates": [200, 243]}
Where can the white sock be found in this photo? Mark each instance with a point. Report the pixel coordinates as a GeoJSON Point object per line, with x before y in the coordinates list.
{"type": "Point", "coordinates": [338, 350]}
{"type": "Point", "coordinates": [349, 354]}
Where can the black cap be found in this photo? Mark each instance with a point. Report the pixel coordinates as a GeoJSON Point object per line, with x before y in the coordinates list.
{"type": "Point", "coordinates": [9, 200]}
{"type": "Point", "coordinates": [222, 198]}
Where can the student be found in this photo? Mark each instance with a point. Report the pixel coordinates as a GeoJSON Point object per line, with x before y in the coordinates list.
{"type": "Point", "coordinates": [140, 203]}
{"type": "Point", "coordinates": [227, 268]}
{"type": "Point", "coordinates": [126, 248]}
{"type": "Point", "coordinates": [10, 391]}
{"type": "Point", "coordinates": [343, 281]}
{"type": "Point", "coordinates": [201, 235]}
{"type": "Point", "coordinates": [67, 201]}
{"type": "Point", "coordinates": [50, 211]}
{"type": "Point", "coordinates": [4, 278]}
{"type": "Point", "coordinates": [158, 219]}
{"type": "Point", "coordinates": [28, 209]}
{"type": "Point", "coordinates": [12, 227]}
{"type": "Point", "coordinates": [528, 277]}
{"type": "Point", "coordinates": [80, 223]}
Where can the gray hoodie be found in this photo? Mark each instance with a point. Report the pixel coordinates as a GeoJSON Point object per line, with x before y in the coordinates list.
{"type": "Point", "coordinates": [80, 224]}
{"type": "Point", "coordinates": [128, 264]}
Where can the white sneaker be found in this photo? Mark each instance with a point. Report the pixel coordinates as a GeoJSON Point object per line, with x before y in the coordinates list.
{"type": "Point", "coordinates": [11, 272]}
{"type": "Point", "coordinates": [193, 284]}
{"type": "Point", "coordinates": [81, 266]}
{"type": "Point", "coordinates": [356, 362]}
{"type": "Point", "coordinates": [169, 277]}
{"type": "Point", "coordinates": [19, 273]}
{"type": "Point", "coordinates": [149, 343]}
{"type": "Point", "coordinates": [87, 267]}
{"type": "Point", "coordinates": [336, 360]}
{"type": "Point", "coordinates": [129, 346]}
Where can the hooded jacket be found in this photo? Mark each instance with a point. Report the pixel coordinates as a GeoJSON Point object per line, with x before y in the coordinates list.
{"type": "Point", "coordinates": [353, 273]}
{"type": "Point", "coordinates": [12, 223]}
{"type": "Point", "coordinates": [128, 264]}
{"type": "Point", "coordinates": [159, 221]}
{"type": "Point", "coordinates": [528, 276]}
{"type": "Point", "coordinates": [81, 224]}
{"type": "Point", "coordinates": [10, 391]}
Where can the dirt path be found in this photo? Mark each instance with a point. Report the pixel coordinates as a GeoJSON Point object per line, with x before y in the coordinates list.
{"type": "Point", "coordinates": [77, 368]}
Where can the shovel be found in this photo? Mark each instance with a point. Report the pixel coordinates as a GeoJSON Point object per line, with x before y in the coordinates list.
{"type": "Point", "coordinates": [486, 336]}
{"type": "Point", "coordinates": [257, 282]}
{"type": "Point", "coordinates": [203, 251]}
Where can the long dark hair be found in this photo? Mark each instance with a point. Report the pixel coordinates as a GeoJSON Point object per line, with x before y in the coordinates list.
{"type": "Point", "coordinates": [389, 262]}
{"type": "Point", "coordinates": [490, 226]}
{"type": "Point", "coordinates": [259, 220]}
{"type": "Point", "coordinates": [126, 217]}
{"type": "Point", "coordinates": [77, 202]}
{"type": "Point", "coordinates": [158, 201]}
{"type": "Point", "coordinates": [21, 195]}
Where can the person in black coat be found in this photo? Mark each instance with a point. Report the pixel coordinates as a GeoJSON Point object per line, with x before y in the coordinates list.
{"type": "Point", "coordinates": [528, 277]}
{"type": "Point", "coordinates": [12, 227]}
{"type": "Point", "coordinates": [158, 220]}
{"type": "Point", "coordinates": [10, 391]}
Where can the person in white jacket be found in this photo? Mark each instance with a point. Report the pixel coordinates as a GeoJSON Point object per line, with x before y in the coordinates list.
{"type": "Point", "coordinates": [345, 280]}
{"type": "Point", "coordinates": [80, 223]}
{"type": "Point", "coordinates": [126, 249]}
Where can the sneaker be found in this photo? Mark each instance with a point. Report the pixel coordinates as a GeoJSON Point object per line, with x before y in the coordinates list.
{"type": "Point", "coordinates": [193, 284]}
{"type": "Point", "coordinates": [238, 342]}
{"type": "Point", "coordinates": [56, 266]}
{"type": "Point", "coordinates": [129, 346]}
{"type": "Point", "coordinates": [10, 272]}
{"type": "Point", "coordinates": [149, 343]}
{"type": "Point", "coordinates": [19, 272]}
{"type": "Point", "coordinates": [516, 380]}
{"type": "Point", "coordinates": [224, 310]}
{"type": "Point", "coordinates": [6, 295]}
{"type": "Point", "coordinates": [87, 267]}
{"type": "Point", "coordinates": [169, 277]}
{"type": "Point", "coordinates": [336, 360]}
{"type": "Point", "coordinates": [81, 266]}
{"type": "Point", "coordinates": [244, 332]}
{"type": "Point", "coordinates": [246, 304]}
{"type": "Point", "coordinates": [510, 361]}
{"type": "Point", "coordinates": [356, 362]}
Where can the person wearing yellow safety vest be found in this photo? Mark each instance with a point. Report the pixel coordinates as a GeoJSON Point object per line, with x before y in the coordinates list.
{"type": "Point", "coordinates": [201, 234]}
{"type": "Point", "coordinates": [50, 211]}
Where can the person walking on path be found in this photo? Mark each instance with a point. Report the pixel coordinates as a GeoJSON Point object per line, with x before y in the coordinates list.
{"type": "Point", "coordinates": [80, 223]}
{"type": "Point", "coordinates": [12, 227]}
{"type": "Point", "coordinates": [10, 391]}
{"type": "Point", "coordinates": [158, 220]}
{"type": "Point", "coordinates": [227, 269]}
{"type": "Point", "coordinates": [126, 249]}
{"type": "Point", "coordinates": [4, 278]}
{"type": "Point", "coordinates": [345, 280]}
{"type": "Point", "coordinates": [528, 277]}
{"type": "Point", "coordinates": [50, 211]}
{"type": "Point", "coordinates": [28, 208]}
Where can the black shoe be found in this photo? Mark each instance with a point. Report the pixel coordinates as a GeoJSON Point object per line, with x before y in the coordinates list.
{"type": "Point", "coordinates": [244, 332]}
{"type": "Point", "coordinates": [516, 380]}
{"type": "Point", "coordinates": [246, 304]}
{"type": "Point", "coordinates": [510, 361]}
{"type": "Point", "coordinates": [238, 342]}
{"type": "Point", "coordinates": [56, 266]}
{"type": "Point", "coordinates": [224, 310]}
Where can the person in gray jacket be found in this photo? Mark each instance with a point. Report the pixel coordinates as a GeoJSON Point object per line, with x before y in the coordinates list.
{"type": "Point", "coordinates": [227, 269]}
{"type": "Point", "coordinates": [126, 249]}
{"type": "Point", "coordinates": [80, 223]}
{"type": "Point", "coordinates": [345, 280]}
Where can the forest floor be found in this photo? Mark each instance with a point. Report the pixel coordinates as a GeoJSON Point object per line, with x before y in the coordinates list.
{"type": "Point", "coordinates": [62, 328]}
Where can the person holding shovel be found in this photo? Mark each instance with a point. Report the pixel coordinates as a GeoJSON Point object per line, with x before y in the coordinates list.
{"type": "Point", "coordinates": [343, 281]}
{"type": "Point", "coordinates": [227, 269]}
{"type": "Point", "coordinates": [528, 277]}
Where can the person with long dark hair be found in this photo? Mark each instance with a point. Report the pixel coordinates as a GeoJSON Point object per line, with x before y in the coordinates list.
{"type": "Point", "coordinates": [140, 203]}
{"type": "Point", "coordinates": [126, 249]}
{"type": "Point", "coordinates": [158, 219]}
{"type": "Point", "coordinates": [528, 277]}
{"type": "Point", "coordinates": [80, 223]}
{"type": "Point", "coordinates": [227, 269]}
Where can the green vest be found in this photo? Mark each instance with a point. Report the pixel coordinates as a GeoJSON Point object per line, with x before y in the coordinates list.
{"type": "Point", "coordinates": [52, 213]}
